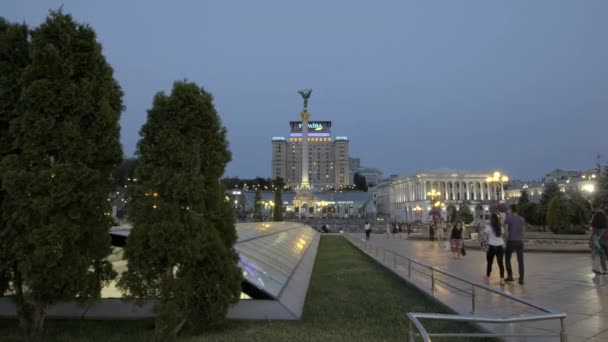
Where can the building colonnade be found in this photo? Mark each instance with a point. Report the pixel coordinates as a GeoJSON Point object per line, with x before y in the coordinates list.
{"type": "Point", "coordinates": [407, 199]}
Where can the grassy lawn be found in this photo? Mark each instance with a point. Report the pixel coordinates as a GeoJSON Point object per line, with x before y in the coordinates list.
{"type": "Point", "coordinates": [351, 298]}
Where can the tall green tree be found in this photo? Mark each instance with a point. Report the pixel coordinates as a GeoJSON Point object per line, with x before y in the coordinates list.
{"type": "Point", "coordinates": [600, 199]}
{"type": "Point", "coordinates": [579, 208]}
{"type": "Point", "coordinates": [558, 214]}
{"type": "Point", "coordinates": [550, 190]}
{"type": "Point", "coordinates": [523, 199]}
{"type": "Point", "coordinates": [360, 182]}
{"type": "Point", "coordinates": [257, 207]}
{"type": "Point", "coordinates": [464, 214]}
{"type": "Point", "coordinates": [277, 213]}
{"type": "Point", "coordinates": [66, 133]}
{"type": "Point", "coordinates": [124, 171]}
{"type": "Point", "coordinates": [14, 57]}
{"type": "Point", "coordinates": [181, 247]}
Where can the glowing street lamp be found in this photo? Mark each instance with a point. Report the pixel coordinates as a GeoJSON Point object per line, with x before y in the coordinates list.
{"type": "Point", "coordinates": [418, 210]}
{"type": "Point", "coordinates": [432, 194]}
{"type": "Point", "coordinates": [590, 189]}
{"type": "Point", "coordinates": [495, 179]}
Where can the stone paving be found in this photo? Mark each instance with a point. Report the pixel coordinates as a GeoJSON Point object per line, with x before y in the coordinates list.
{"type": "Point", "coordinates": [561, 281]}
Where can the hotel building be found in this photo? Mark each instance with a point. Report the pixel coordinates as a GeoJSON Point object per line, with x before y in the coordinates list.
{"type": "Point", "coordinates": [328, 156]}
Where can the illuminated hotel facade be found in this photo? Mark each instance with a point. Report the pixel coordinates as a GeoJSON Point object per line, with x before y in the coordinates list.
{"type": "Point", "coordinates": [328, 162]}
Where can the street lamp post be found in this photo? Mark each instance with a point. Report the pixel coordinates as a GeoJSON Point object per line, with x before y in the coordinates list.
{"type": "Point", "coordinates": [590, 189]}
{"type": "Point", "coordinates": [418, 211]}
{"type": "Point", "coordinates": [495, 179]}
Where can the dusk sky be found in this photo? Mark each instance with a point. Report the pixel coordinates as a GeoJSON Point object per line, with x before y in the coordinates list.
{"type": "Point", "coordinates": [519, 85]}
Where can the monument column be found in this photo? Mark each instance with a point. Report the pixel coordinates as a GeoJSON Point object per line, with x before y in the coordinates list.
{"type": "Point", "coordinates": [304, 195]}
{"type": "Point", "coordinates": [305, 116]}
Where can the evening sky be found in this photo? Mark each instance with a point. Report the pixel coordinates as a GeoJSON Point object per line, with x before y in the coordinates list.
{"type": "Point", "coordinates": [518, 85]}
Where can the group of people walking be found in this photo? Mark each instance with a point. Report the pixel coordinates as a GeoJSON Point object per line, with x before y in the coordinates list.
{"type": "Point", "coordinates": [494, 240]}
{"type": "Point", "coordinates": [499, 239]}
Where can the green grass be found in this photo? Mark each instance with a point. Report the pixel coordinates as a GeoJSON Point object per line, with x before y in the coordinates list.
{"type": "Point", "coordinates": [350, 298]}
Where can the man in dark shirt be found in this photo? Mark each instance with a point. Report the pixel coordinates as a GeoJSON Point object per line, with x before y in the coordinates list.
{"type": "Point", "coordinates": [515, 242]}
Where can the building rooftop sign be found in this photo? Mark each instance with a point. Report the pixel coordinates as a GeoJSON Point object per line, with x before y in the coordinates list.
{"type": "Point", "coordinates": [313, 126]}
{"type": "Point", "coordinates": [278, 139]}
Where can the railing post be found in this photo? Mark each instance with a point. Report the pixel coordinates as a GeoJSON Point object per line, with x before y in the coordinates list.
{"type": "Point", "coordinates": [409, 268]}
{"type": "Point", "coordinates": [473, 299]}
{"type": "Point", "coordinates": [433, 282]}
{"type": "Point", "coordinates": [563, 336]}
{"type": "Point", "coordinates": [411, 334]}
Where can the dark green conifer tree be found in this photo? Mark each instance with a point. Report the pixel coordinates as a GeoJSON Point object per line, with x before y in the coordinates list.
{"type": "Point", "coordinates": [66, 135]}
{"type": "Point", "coordinates": [600, 198]}
{"type": "Point", "coordinates": [550, 190]}
{"type": "Point", "coordinates": [257, 207]}
{"type": "Point", "coordinates": [277, 213]}
{"type": "Point", "coordinates": [181, 247]}
{"type": "Point", "coordinates": [14, 57]}
{"type": "Point", "coordinates": [558, 214]}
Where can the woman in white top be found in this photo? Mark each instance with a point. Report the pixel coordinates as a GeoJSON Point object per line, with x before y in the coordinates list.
{"type": "Point", "coordinates": [494, 231]}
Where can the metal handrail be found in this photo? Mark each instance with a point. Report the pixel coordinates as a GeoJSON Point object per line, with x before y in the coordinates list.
{"type": "Point", "coordinates": [476, 284]}
{"type": "Point", "coordinates": [548, 313]}
{"type": "Point", "coordinates": [415, 317]}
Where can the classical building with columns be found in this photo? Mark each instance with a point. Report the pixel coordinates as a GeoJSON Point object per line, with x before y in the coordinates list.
{"type": "Point", "coordinates": [407, 198]}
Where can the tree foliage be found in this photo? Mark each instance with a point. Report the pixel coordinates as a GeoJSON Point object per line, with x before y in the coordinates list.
{"type": "Point", "coordinates": [464, 214]}
{"type": "Point", "coordinates": [360, 182]}
{"type": "Point", "coordinates": [124, 172]}
{"type": "Point", "coordinates": [579, 209]}
{"type": "Point", "coordinates": [257, 207]}
{"type": "Point", "coordinates": [523, 199]}
{"type": "Point", "coordinates": [56, 181]}
{"type": "Point", "coordinates": [550, 190]}
{"type": "Point", "coordinates": [600, 199]}
{"type": "Point", "coordinates": [529, 211]}
{"type": "Point", "coordinates": [254, 183]}
{"type": "Point", "coordinates": [558, 214]}
{"type": "Point", "coordinates": [277, 213]}
{"type": "Point", "coordinates": [181, 247]}
{"type": "Point", "coordinates": [14, 57]}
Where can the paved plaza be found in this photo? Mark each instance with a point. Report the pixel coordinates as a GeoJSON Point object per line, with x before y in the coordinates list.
{"type": "Point", "coordinates": [562, 281]}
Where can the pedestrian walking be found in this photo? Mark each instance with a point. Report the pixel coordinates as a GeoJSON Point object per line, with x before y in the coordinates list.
{"type": "Point", "coordinates": [431, 230]}
{"type": "Point", "coordinates": [599, 236]}
{"type": "Point", "coordinates": [388, 230]}
{"type": "Point", "coordinates": [440, 233]}
{"type": "Point", "coordinates": [597, 256]}
{"type": "Point", "coordinates": [457, 239]}
{"type": "Point", "coordinates": [368, 230]}
{"type": "Point", "coordinates": [494, 233]}
{"type": "Point", "coordinates": [515, 242]}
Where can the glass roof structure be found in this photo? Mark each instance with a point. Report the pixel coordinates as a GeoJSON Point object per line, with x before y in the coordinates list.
{"type": "Point", "coordinates": [269, 253]}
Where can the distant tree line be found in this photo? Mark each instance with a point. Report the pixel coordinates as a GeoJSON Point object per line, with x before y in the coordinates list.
{"type": "Point", "coordinates": [563, 212]}
{"type": "Point", "coordinates": [263, 184]}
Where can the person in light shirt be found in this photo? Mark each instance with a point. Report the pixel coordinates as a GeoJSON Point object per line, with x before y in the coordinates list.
{"type": "Point", "coordinates": [494, 233]}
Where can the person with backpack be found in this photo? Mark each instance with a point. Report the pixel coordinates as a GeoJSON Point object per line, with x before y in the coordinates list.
{"type": "Point", "coordinates": [599, 236]}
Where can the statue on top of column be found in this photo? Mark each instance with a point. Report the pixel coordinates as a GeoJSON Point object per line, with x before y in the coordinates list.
{"type": "Point", "coordinates": [305, 95]}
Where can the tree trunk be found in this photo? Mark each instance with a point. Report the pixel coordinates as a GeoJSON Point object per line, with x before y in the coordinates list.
{"type": "Point", "coordinates": [178, 328]}
{"type": "Point", "coordinates": [38, 316]}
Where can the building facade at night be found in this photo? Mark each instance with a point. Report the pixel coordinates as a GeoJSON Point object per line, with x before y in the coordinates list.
{"type": "Point", "coordinates": [408, 198]}
{"type": "Point", "coordinates": [328, 165]}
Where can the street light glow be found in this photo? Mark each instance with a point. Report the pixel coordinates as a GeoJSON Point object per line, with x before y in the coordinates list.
{"type": "Point", "coordinates": [589, 188]}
